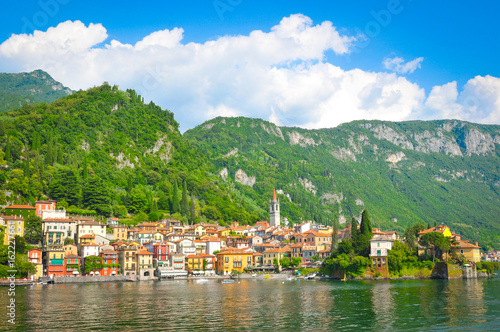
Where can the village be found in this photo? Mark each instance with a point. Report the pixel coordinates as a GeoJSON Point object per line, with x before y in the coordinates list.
{"type": "Point", "coordinates": [81, 246]}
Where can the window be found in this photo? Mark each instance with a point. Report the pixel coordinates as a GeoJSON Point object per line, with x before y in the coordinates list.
{"type": "Point", "coordinates": [461, 251]}
{"type": "Point", "coordinates": [378, 244]}
{"type": "Point", "coordinates": [379, 252]}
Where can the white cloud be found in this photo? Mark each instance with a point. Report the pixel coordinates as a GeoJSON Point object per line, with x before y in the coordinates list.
{"type": "Point", "coordinates": [278, 75]}
{"type": "Point", "coordinates": [479, 101]}
{"type": "Point", "coordinates": [399, 66]}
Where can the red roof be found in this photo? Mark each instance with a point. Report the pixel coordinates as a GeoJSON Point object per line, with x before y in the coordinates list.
{"type": "Point", "coordinates": [21, 207]}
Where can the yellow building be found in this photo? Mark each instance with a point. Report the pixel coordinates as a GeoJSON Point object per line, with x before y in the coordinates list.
{"type": "Point", "coordinates": [13, 226]}
{"type": "Point", "coordinates": [200, 262]}
{"type": "Point", "coordinates": [144, 260]}
{"type": "Point", "coordinates": [471, 252]}
{"type": "Point", "coordinates": [445, 230]}
{"type": "Point", "coordinates": [127, 260]}
{"type": "Point", "coordinates": [234, 259]}
{"type": "Point", "coordinates": [120, 233]}
{"type": "Point", "coordinates": [270, 254]}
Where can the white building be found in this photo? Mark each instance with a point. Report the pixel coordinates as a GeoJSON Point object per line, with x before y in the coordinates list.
{"type": "Point", "coordinates": [91, 227]}
{"type": "Point", "coordinates": [66, 227]}
{"type": "Point", "coordinates": [213, 244]}
{"type": "Point", "coordinates": [90, 250]}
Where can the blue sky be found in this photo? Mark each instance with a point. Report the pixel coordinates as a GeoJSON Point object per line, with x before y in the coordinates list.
{"type": "Point", "coordinates": [451, 42]}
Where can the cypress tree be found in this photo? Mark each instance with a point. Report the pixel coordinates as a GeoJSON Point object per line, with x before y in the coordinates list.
{"type": "Point", "coordinates": [335, 237]}
{"type": "Point", "coordinates": [176, 204]}
{"type": "Point", "coordinates": [2, 129]}
{"type": "Point", "coordinates": [85, 168]}
{"type": "Point", "coordinates": [184, 201]}
{"type": "Point", "coordinates": [49, 155]}
{"type": "Point", "coordinates": [354, 232]}
{"type": "Point", "coordinates": [192, 208]}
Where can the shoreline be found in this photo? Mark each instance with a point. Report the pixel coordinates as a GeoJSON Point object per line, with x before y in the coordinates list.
{"type": "Point", "coordinates": [278, 276]}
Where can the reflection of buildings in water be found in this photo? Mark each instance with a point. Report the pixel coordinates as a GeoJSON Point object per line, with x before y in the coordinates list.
{"type": "Point", "coordinates": [383, 304]}
{"type": "Point", "coordinates": [235, 303]}
{"type": "Point", "coordinates": [465, 301]}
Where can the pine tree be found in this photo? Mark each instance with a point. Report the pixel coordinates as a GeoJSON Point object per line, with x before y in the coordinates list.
{"type": "Point", "coordinates": [184, 201]}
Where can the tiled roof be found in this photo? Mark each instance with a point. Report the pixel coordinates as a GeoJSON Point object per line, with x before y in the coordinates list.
{"type": "Point", "coordinates": [11, 218]}
{"type": "Point", "coordinates": [466, 245]}
{"type": "Point", "coordinates": [439, 229]}
{"type": "Point", "coordinates": [21, 207]}
{"type": "Point", "coordinates": [65, 220]}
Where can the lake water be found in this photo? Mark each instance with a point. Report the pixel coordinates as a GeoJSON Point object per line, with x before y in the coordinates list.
{"type": "Point", "coordinates": [256, 305]}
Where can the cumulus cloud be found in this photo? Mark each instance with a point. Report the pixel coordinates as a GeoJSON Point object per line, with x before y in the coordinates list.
{"type": "Point", "coordinates": [479, 101]}
{"type": "Point", "coordinates": [399, 66]}
{"type": "Point", "coordinates": [279, 75]}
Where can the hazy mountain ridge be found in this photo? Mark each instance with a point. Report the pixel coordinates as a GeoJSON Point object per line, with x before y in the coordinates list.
{"type": "Point", "coordinates": [433, 171]}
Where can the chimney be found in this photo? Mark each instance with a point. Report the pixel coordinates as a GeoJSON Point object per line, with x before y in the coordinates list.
{"type": "Point", "coordinates": [477, 244]}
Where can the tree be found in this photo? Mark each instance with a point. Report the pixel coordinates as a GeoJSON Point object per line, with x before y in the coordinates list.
{"type": "Point", "coordinates": [366, 233]}
{"type": "Point", "coordinates": [437, 242]}
{"type": "Point", "coordinates": [275, 262]}
{"type": "Point", "coordinates": [192, 214]}
{"type": "Point", "coordinates": [33, 229]}
{"type": "Point", "coordinates": [137, 201]}
{"type": "Point", "coordinates": [315, 258]}
{"type": "Point", "coordinates": [335, 237]}
{"type": "Point", "coordinates": [184, 200]}
{"type": "Point", "coordinates": [176, 205]}
{"type": "Point", "coordinates": [285, 263]}
{"type": "Point", "coordinates": [96, 196]}
{"type": "Point", "coordinates": [69, 241]}
{"type": "Point", "coordinates": [120, 211]}
{"type": "Point", "coordinates": [66, 185]}
{"type": "Point", "coordinates": [296, 261]}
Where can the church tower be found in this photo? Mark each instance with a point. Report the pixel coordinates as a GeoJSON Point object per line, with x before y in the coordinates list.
{"type": "Point", "coordinates": [274, 211]}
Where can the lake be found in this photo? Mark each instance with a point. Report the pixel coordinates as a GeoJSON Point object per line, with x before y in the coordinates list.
{"type": "Point", "coordinates": [256, 305]}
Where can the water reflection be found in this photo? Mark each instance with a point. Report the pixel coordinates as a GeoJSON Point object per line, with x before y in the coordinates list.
{"type": "Point", "coordinates": [259, 305]}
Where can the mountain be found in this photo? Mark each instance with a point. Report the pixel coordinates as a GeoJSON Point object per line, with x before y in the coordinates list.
{"type": "Point", "coordinates": [445, 172]}
{"type": "Point", "coordinates": [29, 88]}
{"type": "Point", "coordinates": [106, 150]}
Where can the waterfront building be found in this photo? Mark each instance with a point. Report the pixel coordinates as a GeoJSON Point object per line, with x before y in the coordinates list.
{"type": "Point", "coordinates": [275, 253]}
{"type": "Point", "coordinates": [127, 260]}
{"type": "Point", "coordinates": [274, 211]}
{"type": "Point", "coordinates": [233, 259]}
{"type": "Point", "coordinates": [72, 265]}
{"type": "Point", "coordinates": [379, 247]}
{"type": "Point", "coordinates": [35, 257]}
{"type": "Point", "coordinates": [70, 249]}
{"type": "Point", "coordinates": [471, 252]}
{"type": "Point", "coordinates": [54, 262]}
{"type": "Point", "coordinates": [110, 262]}
{"type": "Point", "coordinates": [113, 222]}
{"type": "Point", "coordinates": [13, 225]}
{"type": "Point", "coordinates": [200, 264]}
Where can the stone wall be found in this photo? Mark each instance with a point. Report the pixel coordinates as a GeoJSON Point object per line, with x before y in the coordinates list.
{"type": "Point", "coordinates": [70, 280]}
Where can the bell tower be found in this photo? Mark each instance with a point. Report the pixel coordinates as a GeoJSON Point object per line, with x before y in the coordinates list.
{"type": "Point", "coordinates": [274, 211]}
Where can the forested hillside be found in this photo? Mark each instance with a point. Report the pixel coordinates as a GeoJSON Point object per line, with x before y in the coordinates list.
{"type": "Point", "coordinates": [435, 172]}
{"type": "Point", "coordinates": [105, 151]}
{"type": "Point", "coordinates": [37, 86]}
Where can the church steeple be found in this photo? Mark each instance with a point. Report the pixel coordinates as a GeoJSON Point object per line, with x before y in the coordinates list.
{"type": "Point", "coordinates": [274, 211]}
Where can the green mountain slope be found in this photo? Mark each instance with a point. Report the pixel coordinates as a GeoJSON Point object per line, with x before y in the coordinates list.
{"type": "Point", "coordinates": [435, 172]}
{"type": "Point", "coordinates": [37, 86]}
{"type": "Point", "coordinates": [104, 149]}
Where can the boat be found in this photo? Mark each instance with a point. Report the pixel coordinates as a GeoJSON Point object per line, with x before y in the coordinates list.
{"type": "Point", "coordinates": [254, 275]}
{"type": "Point", "coordinates": [199, 281]}
{"type": "Point", "coordinates": [227, 281]}
{"type": "Point", "coordinates": [310, 276]}
{"type": "Point", "coordinates": [290, 278]}
{"type": "Point", "coordinates": [268, 277]}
